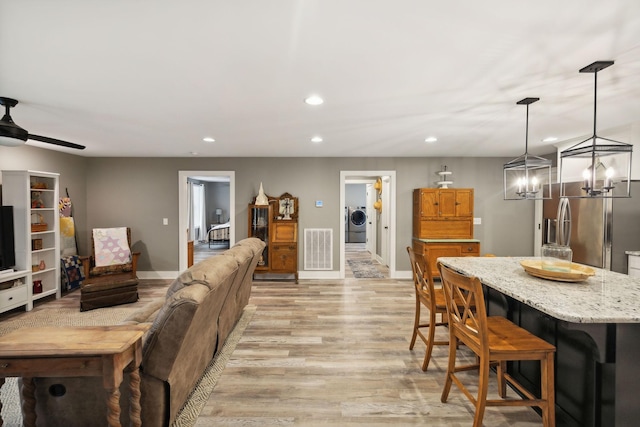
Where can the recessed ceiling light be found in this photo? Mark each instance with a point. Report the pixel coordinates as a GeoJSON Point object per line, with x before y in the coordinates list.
{"type": "Point", "coordinates": [430, 139]}
{"type": "Point", "coordinates": [194, 153]}
{"type": "Point", "coordinates": [208, 139]}
{"type": "Point", "coordinates": [550, 139]}
{"type": "Point", "coordinates": [316, 139]}
{"type": "Point", "coordinates": [314, 100]}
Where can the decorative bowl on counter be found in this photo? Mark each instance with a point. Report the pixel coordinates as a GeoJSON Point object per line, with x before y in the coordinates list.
{"type": "Point", "coordinates": [578, 272]}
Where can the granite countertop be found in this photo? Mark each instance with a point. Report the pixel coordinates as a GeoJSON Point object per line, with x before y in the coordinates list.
{"type": "Point", "coordinates": [606, 297]}
{"type": "Point", "coordinates": [634, 253]}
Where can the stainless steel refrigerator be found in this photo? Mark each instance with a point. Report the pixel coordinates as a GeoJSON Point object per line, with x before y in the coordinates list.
{"type": "Point", "coordinates": [599, 231]}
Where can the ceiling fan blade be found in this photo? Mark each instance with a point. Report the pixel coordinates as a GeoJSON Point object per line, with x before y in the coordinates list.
{"type": "Point", "coordinates": [56, 142]}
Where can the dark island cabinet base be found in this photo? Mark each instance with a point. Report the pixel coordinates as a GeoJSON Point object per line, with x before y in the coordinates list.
{"type": "Point", "coordinates": [597, 365]}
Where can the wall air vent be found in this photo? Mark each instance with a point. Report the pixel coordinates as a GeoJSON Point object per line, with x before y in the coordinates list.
{"type": "Point", "coordinates": [318, 249]}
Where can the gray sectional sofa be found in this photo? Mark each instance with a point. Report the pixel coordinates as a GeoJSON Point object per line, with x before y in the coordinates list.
{"type": "Point", "coordinates": [188, 327]}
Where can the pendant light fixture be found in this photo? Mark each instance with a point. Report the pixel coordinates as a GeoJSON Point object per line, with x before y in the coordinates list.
{"type": "Point", "coordinates": [527, 177]}
{"type": "Point", "coordinates": [602, 165]}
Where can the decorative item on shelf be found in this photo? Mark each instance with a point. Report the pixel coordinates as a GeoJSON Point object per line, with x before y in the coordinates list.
{"type": "Point", "coordinates": [287, 207]}
{"type": "Point", "coordinates": [35, 268]}
{"type": "Point", "coordinates": [42, 265]}
{"type": "Point", "coordinates": [527, 177]}
{"type": "Point", "coordinates": [39, 185]}
{"type": "Point", "coordinates": [444, 180]}
{"type": "Point", "coordinates": [377, 205]}
{"type": "Point", "coordinates": [583, 162]}
{"type": "Point", "coordinates": [378, 185]}
{"type": "Point", "coordinates": [36, 201]}
{"type": "Point", "coordinates": [37, 286]}
{"type": "Point", "coordinates": [39, 224]}
{"type": "Point", "coordinates": [36, 244]}
{"type": "Point", "coordinates": [261, 198]}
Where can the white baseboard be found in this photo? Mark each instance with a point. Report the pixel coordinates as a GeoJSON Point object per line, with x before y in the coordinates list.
{"type": "Point", "coordinates": [403, 275]}
{"type": "Point", "coordinates": [157, 274]}
{"type": "Point", "coordinates": [319, 275]}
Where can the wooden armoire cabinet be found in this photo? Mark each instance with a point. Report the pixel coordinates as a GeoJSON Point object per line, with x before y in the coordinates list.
{"type": "Point", "coordinates": [277, 225]}
{"type": "Point", "coordinates": [445, 213]}
{"type": "Point", "coordinates": [443, 224]}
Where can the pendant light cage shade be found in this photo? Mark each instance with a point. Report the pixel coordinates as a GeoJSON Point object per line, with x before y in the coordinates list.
{"type": "Point", "coordinates": [527, 177]}
{"type": "Point", "coordinates": [601, 165]}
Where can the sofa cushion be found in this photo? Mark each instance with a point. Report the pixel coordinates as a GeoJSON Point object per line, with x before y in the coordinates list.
{"type": "Point", "coordinates": [205, 273]}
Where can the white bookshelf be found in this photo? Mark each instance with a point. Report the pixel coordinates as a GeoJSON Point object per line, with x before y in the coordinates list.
{"type": "Point", "coordinates": [37, 249]}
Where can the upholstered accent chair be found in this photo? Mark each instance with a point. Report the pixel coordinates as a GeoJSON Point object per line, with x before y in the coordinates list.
{"type": "Point", "coordinates": [110, 271]}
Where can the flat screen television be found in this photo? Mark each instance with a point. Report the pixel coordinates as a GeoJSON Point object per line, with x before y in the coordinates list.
{"type": "Point", "coordinates": [7, 246]}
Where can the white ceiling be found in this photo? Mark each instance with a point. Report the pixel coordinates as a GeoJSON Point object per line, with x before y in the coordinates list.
{"type": "Point", "coordinates": [152, 78]}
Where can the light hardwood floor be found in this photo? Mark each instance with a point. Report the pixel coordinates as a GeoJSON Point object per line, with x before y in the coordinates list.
{"type": "Point", "coordinates": [336, 353]}
{"type": "Point", "coordinates": [332, 353]}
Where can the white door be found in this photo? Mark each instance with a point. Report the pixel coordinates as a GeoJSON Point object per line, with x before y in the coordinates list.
{"type": "Point", "coordinates": [385, 221]}
{"type": "Point", "coordinates": [371, 221]}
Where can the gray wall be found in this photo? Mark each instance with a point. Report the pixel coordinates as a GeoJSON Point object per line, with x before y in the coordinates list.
{"type": "Point", "coordinates": [139, 192]}
{"type": "Point", "coordinates": [355, 195]}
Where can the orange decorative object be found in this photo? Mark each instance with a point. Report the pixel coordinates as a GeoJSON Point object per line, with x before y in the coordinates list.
{"type": "Point", "coordinates": [378, 185]}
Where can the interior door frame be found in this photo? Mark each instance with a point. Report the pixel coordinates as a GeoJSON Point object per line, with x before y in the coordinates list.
{"type": "Point", "coordinates": [183, 222]}
{"type": "Point", "coordinates": [390, 210]}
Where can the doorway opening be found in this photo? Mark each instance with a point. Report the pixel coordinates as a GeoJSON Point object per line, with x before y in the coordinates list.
{"type": "Point", "coordinates": [374, 240]}
{"type": "Point", "coordinates": [209, 225]}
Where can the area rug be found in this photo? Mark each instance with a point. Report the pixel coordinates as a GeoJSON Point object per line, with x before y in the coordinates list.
{"type": "Point", "coordinates": [364, 269]}
{"type": "Point", "coordinates": [11, 414]}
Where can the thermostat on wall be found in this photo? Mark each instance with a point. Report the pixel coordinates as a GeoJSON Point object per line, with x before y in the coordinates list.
{"type": "Point", "coordinates": [318, 203]}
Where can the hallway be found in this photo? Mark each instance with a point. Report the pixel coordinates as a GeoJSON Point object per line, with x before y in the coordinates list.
{"type": "Point", "coordinates": [358, 252]}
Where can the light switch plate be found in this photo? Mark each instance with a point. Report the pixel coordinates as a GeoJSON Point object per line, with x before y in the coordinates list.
{"type": "Point", "coordinates": [477, 221]}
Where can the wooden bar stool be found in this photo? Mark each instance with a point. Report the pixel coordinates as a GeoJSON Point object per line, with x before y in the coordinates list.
{"type": "Point", "coordinates": [434, 301]}
{"type": "Point", "coordinates": [494, 340]}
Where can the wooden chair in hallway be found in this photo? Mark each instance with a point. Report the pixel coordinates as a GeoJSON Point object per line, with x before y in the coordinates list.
{"type": "Point", "coordinates": [432, 299]}
{"type": "Point", "coordinates": [493, 339]}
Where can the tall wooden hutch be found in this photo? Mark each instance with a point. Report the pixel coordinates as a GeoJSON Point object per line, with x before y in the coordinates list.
{"type": "Point", "coordinates": [276, 223]}
{"type": "Point", "coordinates": [443, 224]}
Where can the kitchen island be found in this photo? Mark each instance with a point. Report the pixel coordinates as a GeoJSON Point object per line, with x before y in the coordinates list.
{"type": "Point", "coordinates": [594, 324]}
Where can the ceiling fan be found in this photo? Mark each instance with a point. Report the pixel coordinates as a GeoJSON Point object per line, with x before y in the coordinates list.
{"type": "Point", "coordinates": [12, 135]}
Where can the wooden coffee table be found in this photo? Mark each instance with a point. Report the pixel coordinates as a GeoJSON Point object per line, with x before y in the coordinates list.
{"type": "Point", "coordinates": [105, 351]}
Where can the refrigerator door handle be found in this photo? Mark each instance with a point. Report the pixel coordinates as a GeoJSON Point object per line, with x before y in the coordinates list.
{"type": "Point", "coordinates": [564, 222]}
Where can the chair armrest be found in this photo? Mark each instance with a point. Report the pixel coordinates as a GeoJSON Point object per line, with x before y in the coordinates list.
{"type": "Point", "coordinates": [85, 260]}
